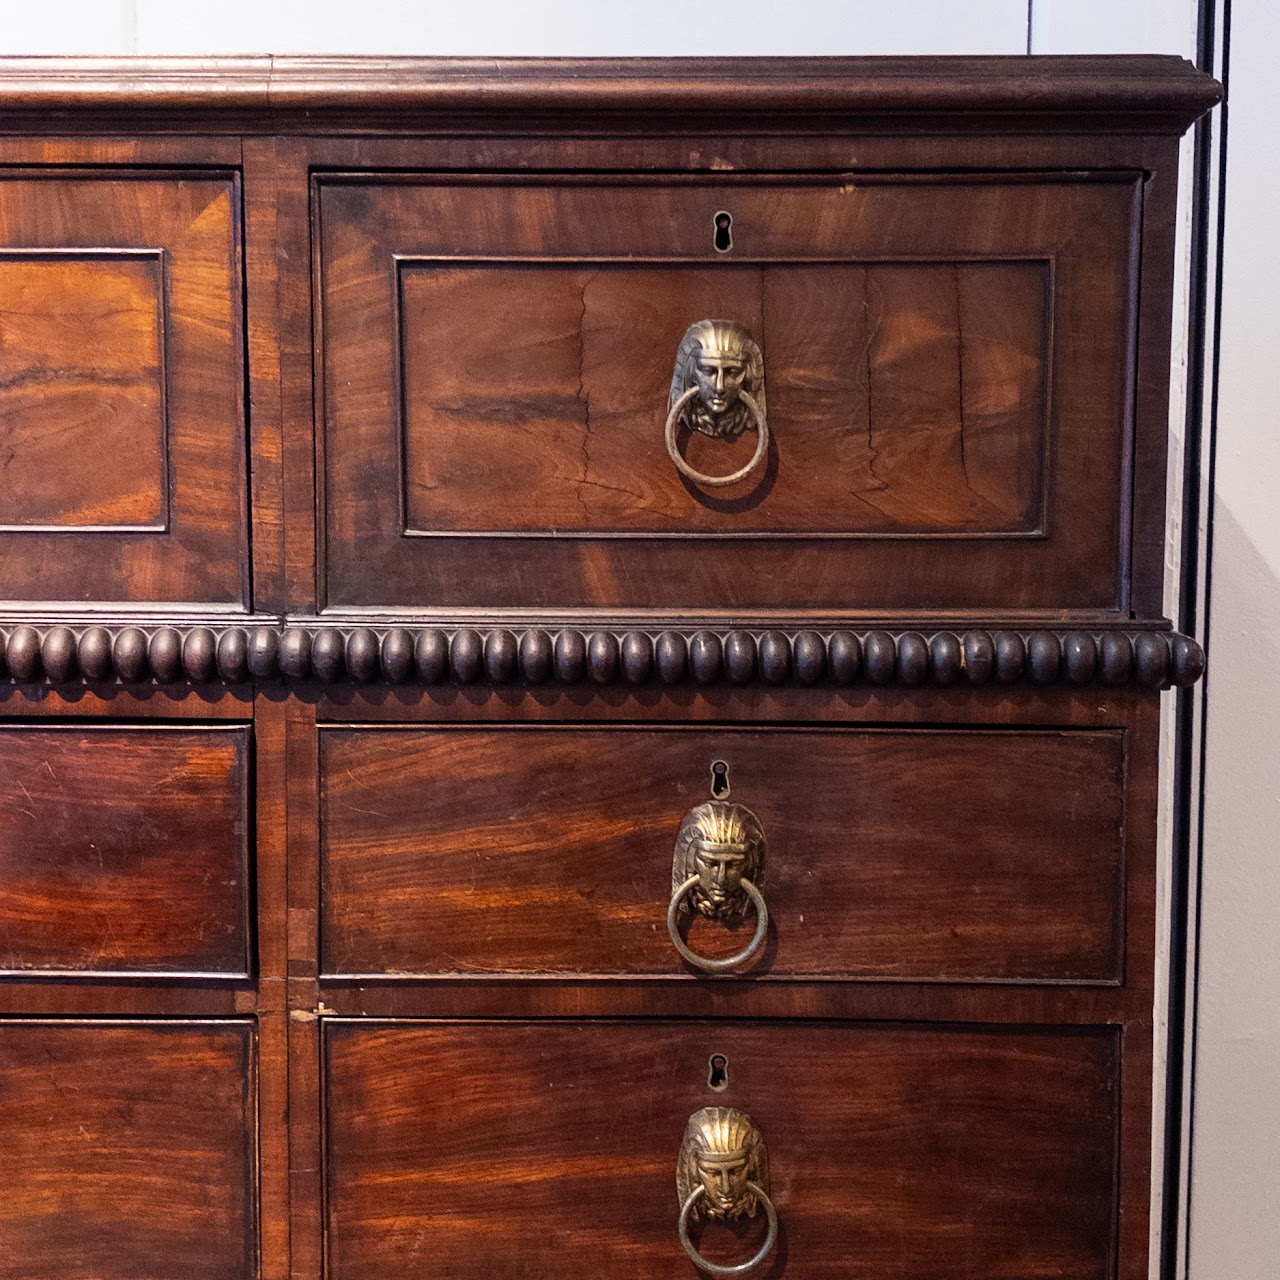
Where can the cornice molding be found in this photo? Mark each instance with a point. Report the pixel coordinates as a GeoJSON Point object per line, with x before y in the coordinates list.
{"type": "Point", "coordinates": [395, 655]}
{"type": "Point", "coordinates": [1128, 93]}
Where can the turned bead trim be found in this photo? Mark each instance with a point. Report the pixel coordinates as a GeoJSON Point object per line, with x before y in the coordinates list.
{"type": "Point", "coordinates": [532, 656]}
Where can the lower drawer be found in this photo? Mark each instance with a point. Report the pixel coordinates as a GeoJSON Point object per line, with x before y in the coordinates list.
{"type": "Point", "coordinates": [969, 855]}
{"type": "Point", "coordinates": [129, 1150]}
{"type": "Point", "coordinates": [891, 1152]}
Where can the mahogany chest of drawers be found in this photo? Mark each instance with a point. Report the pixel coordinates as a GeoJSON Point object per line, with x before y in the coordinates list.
{"type": "Point", "coordinates": [581, 654]}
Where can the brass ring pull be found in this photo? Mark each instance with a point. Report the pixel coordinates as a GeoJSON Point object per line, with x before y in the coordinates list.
{"type": "Point", "coordinates": [700, 477]}
{"type": "Point", "coordinates": [737, 1268]}
{"type": "Point", "coordinates": [722, 1175]}
{"type": "Point", "coordinates": [706, 962]}
{"type": "Point", "coordinates": [717, 389]}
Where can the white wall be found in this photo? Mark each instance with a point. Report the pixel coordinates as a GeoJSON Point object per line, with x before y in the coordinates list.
{"type": "Point", "coordinates": [1235, 1191]}
{"type": "Point", "coordinates": [1235, 1205]}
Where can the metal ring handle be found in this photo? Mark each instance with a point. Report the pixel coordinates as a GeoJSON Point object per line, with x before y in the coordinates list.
{"type": "Point", "coordinates": [714, 482]}
{"type": "Point", "coordinates": [738, 1268]}
{"type": "Point", "coordinates": [729, 962]}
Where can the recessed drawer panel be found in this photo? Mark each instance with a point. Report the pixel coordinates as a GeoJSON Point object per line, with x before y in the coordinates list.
{"type": "Point", "coordinates": [889, 1152]}
{"type": "Point", "coordinates": [122, 388]}
{"type": "Point", "coordinates": [974, 855]}
{"type": "Point", "coordinates": [124, 850]}
{"type": "Point", "coordinates": [942, 367]}
{"type": "Point", "coordinates": [129, 1149]}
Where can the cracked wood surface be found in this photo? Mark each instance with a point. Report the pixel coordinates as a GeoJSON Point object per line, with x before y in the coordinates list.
{"type": "Point", "coordinates": [946, 362]}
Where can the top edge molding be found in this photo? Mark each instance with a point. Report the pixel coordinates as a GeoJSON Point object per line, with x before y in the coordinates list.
{"type": "Point", "coordinates": [1133, 94]}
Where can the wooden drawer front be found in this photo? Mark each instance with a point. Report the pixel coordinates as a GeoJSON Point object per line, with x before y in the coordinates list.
{"type": "Point", "coordinates": [130, 1151]}
{"type": "Point", "coordinates": [458, 1150]}
{"type": "Point", "coordinates": [957, 854]}
{"type": "Point", "coordinates": [124, 850]}
{"type": "Point", "coordinates": [946, 368]}
{"type": "Point", "coordinates": [121, 388]}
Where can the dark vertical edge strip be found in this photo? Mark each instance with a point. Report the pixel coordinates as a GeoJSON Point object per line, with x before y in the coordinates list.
{"type": "Point", "coordinates": [1213, 46]}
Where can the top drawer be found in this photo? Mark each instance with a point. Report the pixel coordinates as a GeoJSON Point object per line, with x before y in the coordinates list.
{"type": "Point", "coordinates": [945, 368]}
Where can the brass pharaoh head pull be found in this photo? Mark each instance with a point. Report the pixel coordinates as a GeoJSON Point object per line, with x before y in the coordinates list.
{"type": "Point", "coordinates": [719, 359]}
{"type": "Point", "coordinates": [717, 388]}
{"type": "Point", "coordinates": [722, 1174]}
{"type": "Point", "coordinates": [716, 869]}
{"type": "Point", "coordinates": [722, 845]}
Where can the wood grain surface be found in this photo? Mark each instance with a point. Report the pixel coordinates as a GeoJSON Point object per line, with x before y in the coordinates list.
{"type": "Point", "coordinates": [532, 1150]}
{"type": "Point", "coordinates": [124, 849]}
{"type": "Point", "coordinates": [129, 1151]}
{"type": "Point", "coordinates": [121, 388]}
{"type": "Point", "coordinates": [413, 319]}
{"type": "Point", "coordinates": [905, 854]}
{"type": "Point", "coordinates": [911, 400]}
{"type": "Point", "coordinates": [82, 379]}
{"type": "Point", "coordinates": [947, 363]}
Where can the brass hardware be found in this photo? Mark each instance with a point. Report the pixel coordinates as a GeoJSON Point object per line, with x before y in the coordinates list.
{"type": "Point", "coordinates": [722, 1174]}
{"type": "Point", "coordinates": [717, 388]}
{"type": "Point", "coordinates": [720, 785]}
{"type": "Point", "coordinates": [717, 863]}
{"type": "Point", "coordinates": [723, 234]}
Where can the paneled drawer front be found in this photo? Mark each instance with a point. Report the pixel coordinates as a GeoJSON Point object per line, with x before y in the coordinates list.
{"type": "Point", "coordinates": [894, 1153]}
{"type": "Point", "coordinates": [953, 854]}
{"type": "Point", "coordinates": [130, 1150]}
{"type": "Point", "coordinates": [946, 368]}
{"type": "Point", "coordinates": [124, 849]}
{"type": "Point", "coordinates": [121, 388]}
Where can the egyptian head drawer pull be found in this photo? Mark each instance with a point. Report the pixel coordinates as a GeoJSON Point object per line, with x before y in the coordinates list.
{"type": "Point", "coordinates": [717, 389]}
{"type": "Point", "coordinates": [716, 869]}
{"type": "Point", "coordinates": [722, 1175]}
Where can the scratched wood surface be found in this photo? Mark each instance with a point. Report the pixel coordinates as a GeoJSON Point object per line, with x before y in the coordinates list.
{"type": "Point", "coordinates": [124, 849]}
{"type": "Point", "coordinates": [129, 1150]}
{"type": "Point", "coordinates": [938, 855]}
{"type": "Point", "coordinates": [471, 1150]}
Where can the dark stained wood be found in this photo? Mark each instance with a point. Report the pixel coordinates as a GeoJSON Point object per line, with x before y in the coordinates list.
{"type": "Point", "coordinates": [936, 855]}
{"type": "Point", "coordinates": [121, 388]}
{"type": "Point", "coordinates": [303, 651]}
{"type": "Point", "coordinates": [1041, 94]}
{"type": "Point", "coordinates": [129, 1150]}
{"type": "Point", "coordinates": [470, 1150]}
{"type": "Point", "coordinates": [124, 850]}
{"type": "Point", "coordinates": [905, 328]}
{"type": "Point", "coordinates": [986, 1125]}
{"type": "Point", "coordinates": [911, 400]}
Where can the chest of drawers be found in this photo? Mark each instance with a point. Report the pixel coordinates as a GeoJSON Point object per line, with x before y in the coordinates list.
{"type": "Point", "coordinates": [446, 830]}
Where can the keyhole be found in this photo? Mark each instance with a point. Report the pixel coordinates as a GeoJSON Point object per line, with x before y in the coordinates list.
{"type": "Point", "coordinates": [724, 233]}
{"type": "Point", "coordinates": [719, 779]}
{"type": "Point", "coordinates": [719, 1076]}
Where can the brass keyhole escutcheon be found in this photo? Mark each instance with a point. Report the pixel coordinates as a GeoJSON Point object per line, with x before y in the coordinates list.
{"type": "Point", "coordinates": [718, 1076]}
{"type": "Point", "coordinates": [723, 239]}
{"type": "Point", "coordinates": [720, 787]}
